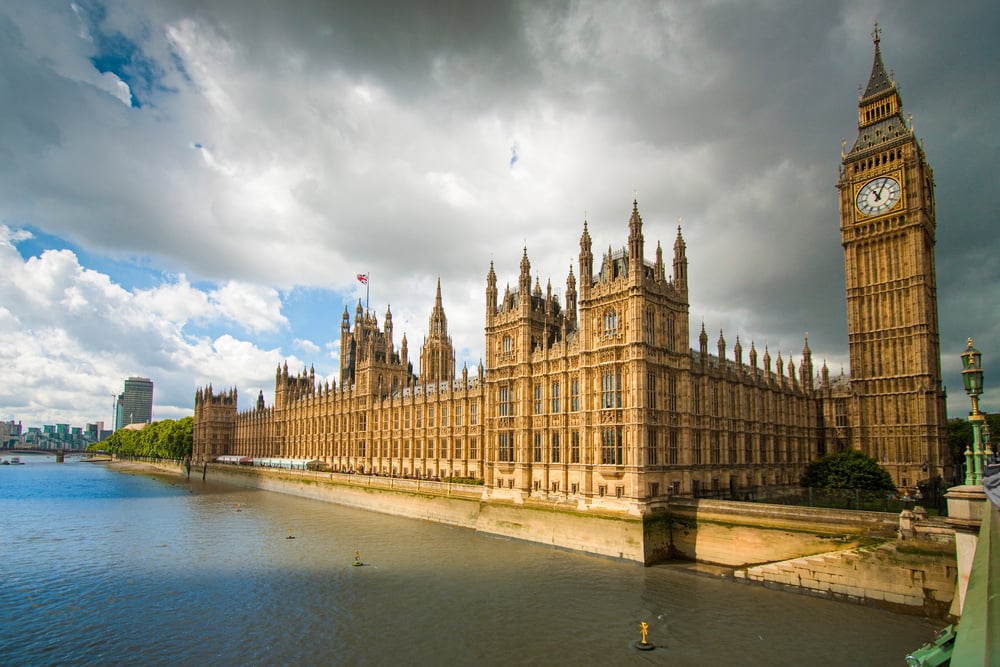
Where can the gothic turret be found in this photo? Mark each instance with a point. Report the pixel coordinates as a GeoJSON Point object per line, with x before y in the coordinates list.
{"type": "Point", "coordinates": [586, 263]}
{"type": "Point", "coordinates": [571, 297]}
{"type": "Point", "coordinates": [680, 264]}
{"type": "Point", "coordinates": [659, 270]}
{"type": "Point", "coordinates": [524, 281]}
{"type": "Point", "coordinates": [491, 295]}
{"type": "Point", "coordinates": [635, 244]}
{"type": "Point", "coordinates": [806, 369]}
{"type": "Point", "coordinates": [437, 357]}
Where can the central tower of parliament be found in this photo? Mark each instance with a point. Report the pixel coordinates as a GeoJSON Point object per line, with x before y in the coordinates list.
{"type": "Point", "coordinates": [599, 401]}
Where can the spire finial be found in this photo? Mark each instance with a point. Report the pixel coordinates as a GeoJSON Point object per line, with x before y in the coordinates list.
{"type": "Point", "coordinates": [876, 35]}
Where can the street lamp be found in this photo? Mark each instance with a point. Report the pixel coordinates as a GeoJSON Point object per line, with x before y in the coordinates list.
{"type": "Point", "coordinates": [972, 377]}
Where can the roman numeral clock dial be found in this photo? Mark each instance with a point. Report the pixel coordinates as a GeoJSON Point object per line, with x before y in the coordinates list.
{"type": "Point", "coordinates": [878, 195]}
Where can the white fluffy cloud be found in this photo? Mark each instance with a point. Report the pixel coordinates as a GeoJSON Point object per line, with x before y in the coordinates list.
{"type": "Point", "coordinates": [71, 336]}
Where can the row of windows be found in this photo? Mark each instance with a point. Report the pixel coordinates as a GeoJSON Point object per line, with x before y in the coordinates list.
{"type": "Point", "coordinates": [768, 450]}
{"type": "Point", "coordinates": [358, 422]}
{"type": "Point", "coordinates": [449, 449]}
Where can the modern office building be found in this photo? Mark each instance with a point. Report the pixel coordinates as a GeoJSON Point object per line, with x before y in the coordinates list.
{"type": "Point", "coordinates": [135, 403]}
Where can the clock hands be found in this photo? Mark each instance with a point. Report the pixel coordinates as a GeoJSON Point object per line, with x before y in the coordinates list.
{"type": "Point", "coordinates": [885, 182]}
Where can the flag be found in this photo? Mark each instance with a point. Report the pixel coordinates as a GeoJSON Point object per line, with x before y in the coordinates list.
{"type": "Point", "coordinates": [363, 278]}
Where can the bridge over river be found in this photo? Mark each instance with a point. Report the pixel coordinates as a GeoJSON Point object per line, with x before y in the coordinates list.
{"type": "Point", "coordinates": [60, 454]}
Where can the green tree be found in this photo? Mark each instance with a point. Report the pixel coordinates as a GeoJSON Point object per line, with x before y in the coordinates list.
{"type": "Point", "coordinates": [166, 439]}
{"type": "Point", "coordinates": [848, 470]}
{"type": "Point", "coordinates": [959, 437]}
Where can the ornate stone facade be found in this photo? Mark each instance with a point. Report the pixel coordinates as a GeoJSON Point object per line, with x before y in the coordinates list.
{"type": "Point", "coordinates": [887, 225]}
{"type": "Point", "coordinates": [598, 402]}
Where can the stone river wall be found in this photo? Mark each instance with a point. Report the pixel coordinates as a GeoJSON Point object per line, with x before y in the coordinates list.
{"type": "Point", "coordinates": [847, 555]}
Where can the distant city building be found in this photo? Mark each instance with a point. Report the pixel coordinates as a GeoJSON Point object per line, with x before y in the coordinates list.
{"type": "Point", "coordinates": [598, 400]}
{"type": "Point", "coordinates": [10, 434]}
{"type": "Point", "coordinates": [135, 403]}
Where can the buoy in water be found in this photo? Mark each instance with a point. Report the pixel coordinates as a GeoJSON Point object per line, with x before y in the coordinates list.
{"type": "Point", "coordinates": [357, 559]}
{"type": "Point", "coordinates": [290, 536]}
{"type": "Point", "coordinates": [642, 644]}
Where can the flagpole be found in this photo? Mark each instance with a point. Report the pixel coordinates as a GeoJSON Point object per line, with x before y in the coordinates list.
{"type": "Point", "coordinates": [368, 287]}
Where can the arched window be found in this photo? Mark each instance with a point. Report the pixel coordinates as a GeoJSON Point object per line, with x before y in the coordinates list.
{"type": "Point", "coordinates": [610, 322]}
{"type": "Point", "coordinates": [508, 344]}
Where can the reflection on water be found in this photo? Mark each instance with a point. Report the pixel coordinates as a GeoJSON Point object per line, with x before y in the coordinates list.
{"type": "Point", "coordinates": [104, 567]}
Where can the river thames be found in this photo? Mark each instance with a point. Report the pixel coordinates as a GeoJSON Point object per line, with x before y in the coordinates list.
{"type": "Point", "coordinates": [103, 567]}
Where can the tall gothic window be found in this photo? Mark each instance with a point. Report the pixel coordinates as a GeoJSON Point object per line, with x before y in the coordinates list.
{"type": "Point", "coordinates": [650, 326]}
{"type": "Point", "coordinates": [538, 448]}
{"type": "Point", "coordinates": [556, 407]}
{"type": "Point", "coordinates": [506, 447]}
{"type": "Point", "coordinates": [506, 401]}
{"type": "Point", "coordinates": [610, 322]}
{"type": "Point", "coordinates": [574, 447]}
{"type": "Point", "coordinates": [574, 395]}
{"type": "Point", "coordinates": [556, 452]}
{"type": "Point", "coordinates": [538, 399]}
{"type": "Point", "coordinates": [611, 392]}
{"type": "Point", "coordinates": [611, 446]}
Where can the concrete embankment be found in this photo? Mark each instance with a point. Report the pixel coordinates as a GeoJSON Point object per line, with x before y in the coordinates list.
{"type": "Point", "coordinates": [837, 554]}
{"type": "Point", "coordinates": [907, 577]}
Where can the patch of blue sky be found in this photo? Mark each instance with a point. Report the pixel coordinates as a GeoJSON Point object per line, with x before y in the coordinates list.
{"type": "Point", "coordinates": [314, 314]}
{"type": "Point", "coordinates": [120, 55]}
{"type": "Point", "coordinates": [123, 58]}
{"type": "Point", "coordinates": [130, 274]}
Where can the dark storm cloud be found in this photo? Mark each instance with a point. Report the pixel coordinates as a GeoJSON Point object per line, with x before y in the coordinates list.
{"type": "Point", "coordinates": [293, 144]}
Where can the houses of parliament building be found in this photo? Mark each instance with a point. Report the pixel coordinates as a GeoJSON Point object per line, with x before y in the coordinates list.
{"type": "Point", "coordinates": [598, 400]}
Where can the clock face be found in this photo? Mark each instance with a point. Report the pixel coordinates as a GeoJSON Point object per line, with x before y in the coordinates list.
{"type": "Point", "coordinates": [878, 195]}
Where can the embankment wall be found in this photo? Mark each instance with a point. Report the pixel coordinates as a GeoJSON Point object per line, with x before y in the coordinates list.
{"type": "Point", "coordinates": [833, 553]}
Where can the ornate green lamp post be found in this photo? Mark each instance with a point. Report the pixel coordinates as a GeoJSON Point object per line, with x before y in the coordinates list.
{"type": "Point", "coordinates": [972, 377]}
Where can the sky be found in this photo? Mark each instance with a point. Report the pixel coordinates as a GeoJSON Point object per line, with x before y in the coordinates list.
{"type": "Point", "coordinates": [189, 189]}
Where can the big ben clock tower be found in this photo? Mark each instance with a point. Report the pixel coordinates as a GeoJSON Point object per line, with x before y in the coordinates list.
{"type": "Point", "coordinates": [887, 227]}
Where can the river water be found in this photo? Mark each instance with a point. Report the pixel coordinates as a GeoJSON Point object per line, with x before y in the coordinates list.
{"type": "Point", "coordinates": [103, 567]}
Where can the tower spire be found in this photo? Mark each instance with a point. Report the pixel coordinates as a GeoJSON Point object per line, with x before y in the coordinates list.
{"type": "Point", "coordinates": [879, 81]}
